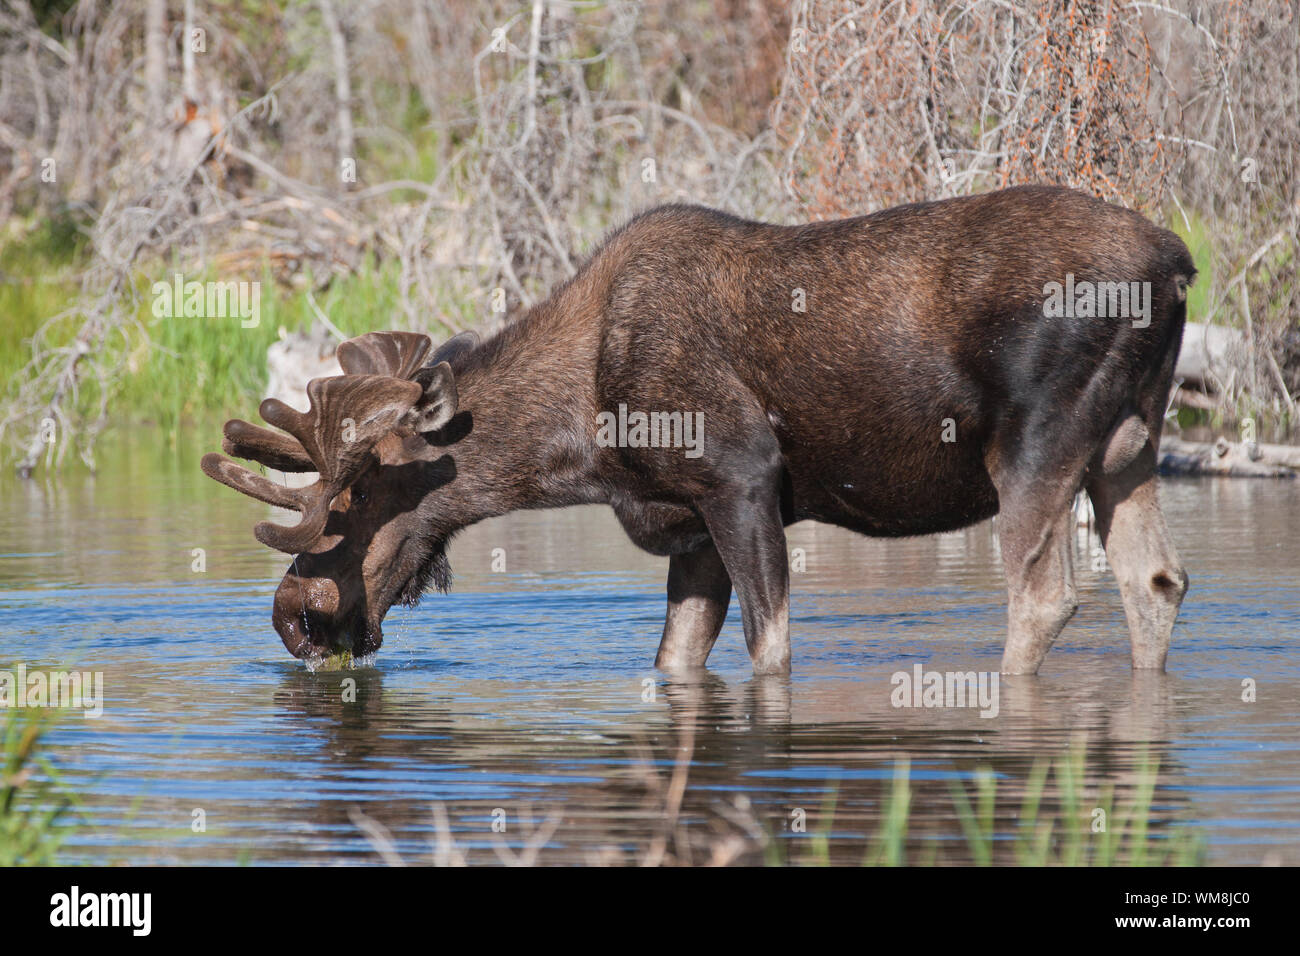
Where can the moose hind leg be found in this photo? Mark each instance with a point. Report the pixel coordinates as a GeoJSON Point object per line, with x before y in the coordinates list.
{"type": "Point", "coordinates": [699, 590]}
{"type": "Point", "coordinates": [1151, 579]}
{"type": "Point", "coordinates": [1036, 552]}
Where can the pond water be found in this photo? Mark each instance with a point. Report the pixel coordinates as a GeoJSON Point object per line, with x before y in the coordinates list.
{"type": "Point", "coordinates": [526, 699]}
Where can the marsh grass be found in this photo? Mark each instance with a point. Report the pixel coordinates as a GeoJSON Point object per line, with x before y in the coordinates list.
{"type": "Point", "coordinates": [1198, 236]}
{"type": "Point", "coordinates": [1208, 300]}
{"type": "Point", "coordinates": [34, 803]}
{"type": "Point", "coordinates": [38, 262]}
{"type": "Point", "coordinates": [176, 370]}
{"type": "Point", "coordinates": [193, 370]}
{"type": "Point", "coordinates": [1058, 822]}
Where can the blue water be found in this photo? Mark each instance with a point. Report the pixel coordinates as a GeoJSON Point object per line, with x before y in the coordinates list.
{"type": "Point", "coordinates": [527, 699]}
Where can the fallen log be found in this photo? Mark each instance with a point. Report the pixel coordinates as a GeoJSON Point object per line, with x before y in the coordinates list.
{"type": "Point", "coordinates": [1231, 459]}
{"type": "Point", "coordinates": [1191, 398]}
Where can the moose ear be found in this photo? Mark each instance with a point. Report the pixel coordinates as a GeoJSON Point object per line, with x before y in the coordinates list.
{"type": "Point", "coordinates": [438, 404]}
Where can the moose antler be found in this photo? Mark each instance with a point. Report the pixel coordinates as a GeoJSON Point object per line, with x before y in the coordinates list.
{"type": "Point", "coordinates": [395, 354]}
{"type": "Point", "coordinates": [349, 413]}
{"type": "Point", "coordinates": [398, 354]}
{"type": "Point", "coordinates": [273, 449]}
{"type": "Point", "coordinates": [386, 383]}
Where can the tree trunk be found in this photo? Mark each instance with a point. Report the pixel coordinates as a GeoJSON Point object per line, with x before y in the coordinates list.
{"type": "Point", "coordinates": [342, 83]}
{"type": "Point", "coordinates": [155, 59]}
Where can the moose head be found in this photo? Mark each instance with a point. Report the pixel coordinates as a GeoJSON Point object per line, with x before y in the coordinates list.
{"type": "Point", "coordinates": [363, 543]}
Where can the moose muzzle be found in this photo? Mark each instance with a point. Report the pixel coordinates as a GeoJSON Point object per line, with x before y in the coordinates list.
{"type": "Point", "coordinates": [314, 620]}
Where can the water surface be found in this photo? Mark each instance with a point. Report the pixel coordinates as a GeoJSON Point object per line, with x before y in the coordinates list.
{"type": "Point", "coordinates": [528, 696]}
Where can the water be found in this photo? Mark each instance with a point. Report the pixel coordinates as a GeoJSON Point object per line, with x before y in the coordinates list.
{"type": "Point", "coordinates": [529, 698]}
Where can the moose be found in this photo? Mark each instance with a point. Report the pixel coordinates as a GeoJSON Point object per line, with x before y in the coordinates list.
{"type": "Point", "coordinates": [901, 373]}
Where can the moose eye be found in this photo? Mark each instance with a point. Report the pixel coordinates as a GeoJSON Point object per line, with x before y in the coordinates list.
{"type": "Point", "coordinates": [358, 496]}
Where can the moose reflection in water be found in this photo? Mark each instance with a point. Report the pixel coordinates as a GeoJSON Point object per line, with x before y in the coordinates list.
{"type": "Point", "coordinates": [740, 773]}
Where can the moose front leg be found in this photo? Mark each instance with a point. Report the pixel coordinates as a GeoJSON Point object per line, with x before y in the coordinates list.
{"type": "Point", "coordinates": [699, 590]}
{"type": "Point", "coordinates": [750, 538]}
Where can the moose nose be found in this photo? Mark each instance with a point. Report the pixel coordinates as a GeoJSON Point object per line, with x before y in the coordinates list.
{"type": "Point", "coordinates": [303, 614]}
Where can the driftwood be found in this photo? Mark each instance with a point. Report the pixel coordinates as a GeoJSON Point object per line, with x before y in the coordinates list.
{"type": "Point", "coordinates": [1232, 459]}
{"type": "Point", "coordinates": [295, 359]}
{"type": "Point", "coordinates": [1209, 354]}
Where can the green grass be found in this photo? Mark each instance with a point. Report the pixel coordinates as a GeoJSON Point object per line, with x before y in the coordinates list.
{"type": "Point", "coordinates": [1198, 236]}
{"type": "Point", "coordinates": [192, 369]}
{"type": "Point", "coordinates": [1201, 237]}
{"type": "Point", "coordinates": [1207, 302]}
{"type": "Point", "coordinates": [1058, 823]}
{"type": "Point", "coordinates": [173, 371]}
{"type": "Point", "coordinates": [37, 281]}
{"type": "Point", "coordinates": [33, 803]}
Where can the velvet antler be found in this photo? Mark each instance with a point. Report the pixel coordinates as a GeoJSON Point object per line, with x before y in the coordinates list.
{"type": "Point", "coordinates": [386, 384]}
{"type": "Point", "coordinates": [349, 413]}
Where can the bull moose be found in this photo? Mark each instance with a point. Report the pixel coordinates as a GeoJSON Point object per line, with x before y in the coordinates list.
{"type": "Point", "coordinates": [902, 373]}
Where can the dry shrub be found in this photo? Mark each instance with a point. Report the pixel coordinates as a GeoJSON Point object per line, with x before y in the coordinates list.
{"type": "Point", "coordinates": [1188, 110]}
{"type": "Point", "coordinates": [886, 103]}
{"type": "Point", "coordinates": [575, 131]}
{"type": "Point", "coordinates": [495, 141]}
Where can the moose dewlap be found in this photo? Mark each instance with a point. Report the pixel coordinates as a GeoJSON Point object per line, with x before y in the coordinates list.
{"type": "Point", "coordinates": [904, 373]}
